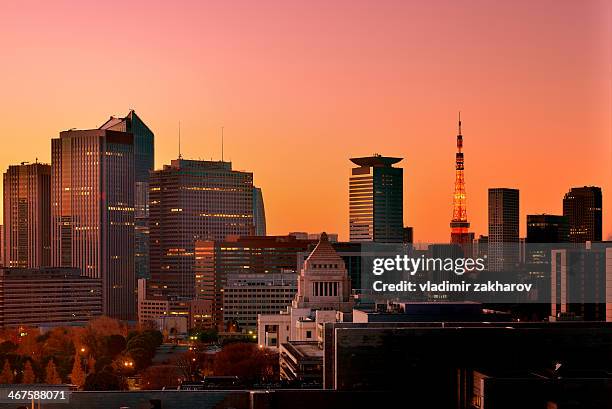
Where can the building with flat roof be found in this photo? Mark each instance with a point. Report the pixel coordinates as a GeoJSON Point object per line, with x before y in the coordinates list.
{"type": "Point", "coordinates": [92, 212]}
{"type": "Point", "coordinates": [216, 261]}
{"type": "Point", "coordinates": [192, 200]}
{"type": "Point", "coordinates": [583, 208]}
{"type": "Point", "coordinates": [581, 282]}
{"type": "Point", "coordinates": [503, 252]}
{"type": "Point", "coordinates": [27, 215]}
{"type": "Point", "coordinates": [301, 361]}
{"type": "Point", "coordinates": [48, 296]}
{"type": "Point", "coordinates": [247, 295]}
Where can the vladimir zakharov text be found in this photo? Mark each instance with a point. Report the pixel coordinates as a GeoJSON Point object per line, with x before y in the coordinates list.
{"type": "Point", "coordinates": [447, 286]}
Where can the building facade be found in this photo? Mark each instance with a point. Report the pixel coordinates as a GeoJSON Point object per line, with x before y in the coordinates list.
{"type": "Point", "coordinates": [503, 235]}
{"type": "Point", "coordinates": [27, 214]}
{"type": "Point", "coordinates": [144, 162]}
{"type": "Point", "coordinates": [376, 209]}
{"type": "Point", "coordinates": [583, 208]}
{"type": "Point", "coordinates": [581, 283]}
{"type": "Point", "coordinates": [190, 201]}
{"type": "Point", "coordinates": [247, 295]}
{"type": "Point", "coordinates": [218, 261]}
{"type": "Point", "coordinates": [92, 212]}
{"type": "Point", "coordinates": [259, 213]}
{"type": "Point", "coordinates": [48, 296]}
{"type": "Point", "coordinates": [324, 295]}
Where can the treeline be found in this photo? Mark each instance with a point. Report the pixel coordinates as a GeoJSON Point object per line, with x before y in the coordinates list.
{"type": "Point", "coordinates": [97, 357]}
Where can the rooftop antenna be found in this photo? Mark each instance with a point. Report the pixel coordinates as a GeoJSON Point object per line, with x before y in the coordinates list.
{"type": "Point", "coordinates": [179, 141]}
{"type": "Point", "coordinates": [222, 143]}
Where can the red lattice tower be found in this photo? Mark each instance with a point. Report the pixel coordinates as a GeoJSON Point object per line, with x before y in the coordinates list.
{"type": "Point", "coordinates": [459, 224]}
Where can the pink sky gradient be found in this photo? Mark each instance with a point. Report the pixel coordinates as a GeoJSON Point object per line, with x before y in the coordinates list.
{"type": "Point", "coordinates": [302, 86]}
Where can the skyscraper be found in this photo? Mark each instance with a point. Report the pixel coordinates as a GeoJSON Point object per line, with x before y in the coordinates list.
{"type": "Point", "coordinates": [92, 212]}
{"type": "Point", "coordinates": [582, 206]}
{"type": "Point", "coordinates": [143, 165]}
{"type": "Point", "coordinates": [193, 200]}
{"type": "Point", "coordinates": [459, 224]}
{"type": "Point", "coordinates": [27, 198]}
{"type": "Point", "coordinates": [376, 209]}
{"type": "Point", "coordinates": [259, 213]}
{"type": "Point", "coordinates": [503, 228]}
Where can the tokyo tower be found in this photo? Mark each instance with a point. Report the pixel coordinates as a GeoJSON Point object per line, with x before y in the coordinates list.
{"type": "Point", "coordinates": [459, 224]}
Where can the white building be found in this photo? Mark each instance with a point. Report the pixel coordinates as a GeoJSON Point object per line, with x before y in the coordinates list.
{"type": "Point", "coordinates": [324, 295]}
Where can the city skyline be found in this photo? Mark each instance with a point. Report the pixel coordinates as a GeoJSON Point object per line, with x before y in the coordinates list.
{"type": "Point", "coordinates": [370, 91]}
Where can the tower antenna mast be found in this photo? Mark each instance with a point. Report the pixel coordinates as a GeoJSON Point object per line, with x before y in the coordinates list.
{"type": "Point", "coordinates": [179, 140]}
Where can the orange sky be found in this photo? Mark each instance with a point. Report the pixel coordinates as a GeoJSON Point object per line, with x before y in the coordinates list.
{"type": "Point", "coordinates": [302, 86]}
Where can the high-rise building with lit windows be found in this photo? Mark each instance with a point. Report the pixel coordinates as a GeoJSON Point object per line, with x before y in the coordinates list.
{"type": "Point", "coordinates": [27, 198]}
{"type": "Point", "coordinates": [217, 261]}
{"type": "Point", "coordinates": [193, 200]}
{"type": "Point", "coordinates": [143, 164]}
{"type": "Point", "coordinates": [376, 210]}
{"type": "Point", "coordinates": [582, 206]}
{"type": "Point", "coordinates": [92, 212]}
{"type": "Point", "coordinates": [503, 229]}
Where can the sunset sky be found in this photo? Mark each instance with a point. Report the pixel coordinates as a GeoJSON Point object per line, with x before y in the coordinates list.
{"type": "Point", "coordinates": [301, 87]}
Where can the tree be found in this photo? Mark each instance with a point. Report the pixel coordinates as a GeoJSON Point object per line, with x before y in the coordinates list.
{"type": "Point", "coordinates": [91, 365]}
{"type": "Point", "coordinates": [247, 361]}
{"type": "Point", "coordinates": [159, 376]}
{"type": "Point", "coordinates": [28, 374]}
{"type": "Point", "coordinates": [104, 381]}
{"type": "Point", "coordinates": [51, 375]}
{"type": "Point", "coordinates": [7, 373]}
{"type": "Point", "coordinates": [77, 376]}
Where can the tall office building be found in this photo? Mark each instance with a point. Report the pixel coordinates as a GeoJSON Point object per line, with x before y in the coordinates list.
{"type": "Point", "coordinates": [193, 200]}
{"type": "Point", "coordinates": [259, 213]}
{"type": "Point", "coordinates": [582, 206]}
{"type": "Point", "coordinates": [503, 229]}
{"type": "Point", "coordinates": [217, 261]}
{"type": "Point", "coordinates": [27, 198]}
{"type": "Point", "coordinates": [376, 210]}
{"type": "Point", "coordinates": [144, 156]}
{"type": "Point", "coordinates": [92, 212]}
{"type": "Point", "coordinates": [459, 224]}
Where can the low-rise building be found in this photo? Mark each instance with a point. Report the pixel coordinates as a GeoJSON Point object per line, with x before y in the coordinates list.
{"type": "Point", "coordinates": [48, 296]}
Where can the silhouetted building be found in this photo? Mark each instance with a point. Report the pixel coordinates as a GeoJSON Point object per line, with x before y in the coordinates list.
{"type": "Point", "coordinates": [503, 229]}
{"type": "Point", "coordinates": [376, 210]}
{"type": "Point", "coordinates": [582, 207]}
{"type": "Point", "coordinates": [563, 363]}
{"type": "Point", "coordinates": [259, 213]}
{"type": "Point", "coordinates": [48, 296]}
{"type": "Point", "coordinates": [27, 214]}
{"type": "Point", "coordinates": [144, 157]}
{"type": "Point", "coordinates": [547, 228]}
{"type": "Point", "coordinates": [189, 201]}
{"type": "Point", "coordinates": [217, 261]}
{"type": "Point", "coordinates": [92, 212]}
{"type": "Point", "coordinates": [408, 235]}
